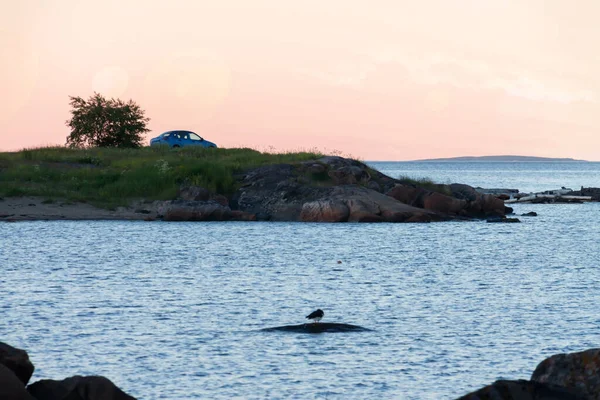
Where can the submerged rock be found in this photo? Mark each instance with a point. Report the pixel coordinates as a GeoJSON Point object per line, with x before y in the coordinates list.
{"type": "Point", "coordinates": [503, 220]}
{"type": "Point", "coordinates": [530, 214]}
{"type": "Point", "coordinates": [523, 390]}
{"type": "Point", "coordinates": [319, 327]}
{"type": "Point", "coordinates": [579, 371]}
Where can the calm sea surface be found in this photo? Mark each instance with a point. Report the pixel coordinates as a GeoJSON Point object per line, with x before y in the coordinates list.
{"type": "Point", "coordinates": [525, 176]}
{"type": "Point", "coordinates": [174, 310]}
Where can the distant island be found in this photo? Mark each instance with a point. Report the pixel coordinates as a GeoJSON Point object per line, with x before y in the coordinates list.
{"type": "Point", "coordinates": [507, 158]}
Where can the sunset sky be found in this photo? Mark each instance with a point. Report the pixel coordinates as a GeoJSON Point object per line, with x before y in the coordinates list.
{"type": "Point", "coordinates": [378, 80]}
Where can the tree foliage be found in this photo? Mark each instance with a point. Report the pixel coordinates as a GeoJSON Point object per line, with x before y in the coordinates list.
{"type": "Point", "coordinates": [101, 122]}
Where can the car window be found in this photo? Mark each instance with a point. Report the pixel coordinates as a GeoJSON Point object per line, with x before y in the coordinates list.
{"type": "Point", "coordinates": [166, 135]}
{"type": "Point", "coordinates": [193, 136]}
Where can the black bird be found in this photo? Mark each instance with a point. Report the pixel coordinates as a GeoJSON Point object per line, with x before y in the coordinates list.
{"type": "Point", "coordinates": [316, 315]}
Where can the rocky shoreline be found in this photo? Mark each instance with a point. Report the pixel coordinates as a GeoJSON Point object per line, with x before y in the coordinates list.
{"type": "Point", "coordinates": [329, 189]}
{"type": "Point", "coordinates": [562, 195]}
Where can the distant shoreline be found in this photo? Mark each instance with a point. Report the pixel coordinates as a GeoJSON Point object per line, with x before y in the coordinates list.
{"type": "Point", "coordinates": [503, 158]}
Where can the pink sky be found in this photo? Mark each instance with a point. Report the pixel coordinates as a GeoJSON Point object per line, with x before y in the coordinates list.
{"type": "Point", "coordinates": [378, 80]}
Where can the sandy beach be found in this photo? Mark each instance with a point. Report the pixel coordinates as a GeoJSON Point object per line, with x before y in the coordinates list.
{"type": "Point", "coordinates": [31, 208]}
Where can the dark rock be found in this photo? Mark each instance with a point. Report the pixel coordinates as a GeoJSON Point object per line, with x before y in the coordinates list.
{"type": "Point", "coordinates": [197, 193]}
{"type": "Point", "coordinates": [78, 388]}
{"type": "Point", "coordinates": [523, 390]}
{"type": "Point", "coordinates": [17, 361]}
{"type": "Point", "coordinates": [486, 205]}
{"type": "Point", "coordinates": [503, 219]}
{"type": "Point", "coordinates": [11, 387]}
{"type": "Point", "coordinates": [365, 204]}
{"type": "Point", "coordinates": [542, 200]}
{"type": "Point", "coordinates": [464, 192]}
{"type": "Point", "coordinates": [363, 207]}
{"type": "Point", "coordinates": [222, 200]}
{"type": "Point", "coordinates": [318, 327]}
{"type": "Point", "coordinates": [465, 200]}
{"type": "Point", "coordinates": [143, 211]}
{"type": "Point", "coordinates": [324, 211]}
{"type": "Point", "coordinates": [373, 185]}
{"type": "Point", "coordinates": [592, 191]}
{"type": "Point", "coordinates": [441, 203]}
{"type": "Point", "coordinates": [358, 204]}
{"type": "Point", "coordinates": [419, 218]}
{"type": "Point", "coordinates": [530, 214]}
{"type": "Point", "coordinates": [272, 193]}
{"type": "Point", "coordinates": [180, 210]}
{"type": "Point", "coordinates": [508, 210]}
{"type": "Point", "coordinates": [237, 215]}
{"type": "Point", "coordinates": [411, 195]}
{"type": "Point", "coordinates": [348, 175]}
{"type": "Point", "coordinates": [580, 371]}
{"type": "Point", "coordinates": [498, 191]}
{"type": "Point", "coordinates": [316, 169]}
{"type": "Point", "coordinates": [193, 193]}
{"type": "Point", "coordinates": [350, 191]}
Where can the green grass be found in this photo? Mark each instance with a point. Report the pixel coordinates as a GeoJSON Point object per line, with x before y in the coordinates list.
{"type": "Point", "coordinates": [426, 183]}
{"type": "Point", "coordinates": [115, 177]}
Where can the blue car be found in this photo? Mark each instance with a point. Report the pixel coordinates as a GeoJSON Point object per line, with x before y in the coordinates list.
{"type": "Point", "coordinates": [180, 139]}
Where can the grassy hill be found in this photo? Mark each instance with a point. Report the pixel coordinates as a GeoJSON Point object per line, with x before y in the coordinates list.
{"type": "Point", "coordinates": [115, 177]}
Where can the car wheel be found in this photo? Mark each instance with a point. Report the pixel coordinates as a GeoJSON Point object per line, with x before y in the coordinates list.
{"type": "Point", "coordinates": [176, 146]}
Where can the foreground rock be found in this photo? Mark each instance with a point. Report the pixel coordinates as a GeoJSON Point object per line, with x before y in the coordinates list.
{"type": "Point", "coordinates": [579, 371]}
{"type": "Point", "coordinates": [16, 369]}
{"type": "Point", "coordinates": [317, 328]}
{"type": "Point", "coordinates": [523, 390]}
{"type": "Point", "coordinates": [573, 376]}
{"type": "Point", "coordinates": [77, 388]}
{"type": "Point", "coordinates": [11, 387]}
{"type": "Point", "coordinates": [17, 361]}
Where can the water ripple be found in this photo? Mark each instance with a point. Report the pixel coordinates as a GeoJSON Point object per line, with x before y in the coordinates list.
{"type": "Point", "coordinates": [172, 311]}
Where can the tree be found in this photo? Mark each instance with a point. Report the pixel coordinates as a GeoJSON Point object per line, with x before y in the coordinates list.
{"type": "Point", "coordinates": [98, 122]}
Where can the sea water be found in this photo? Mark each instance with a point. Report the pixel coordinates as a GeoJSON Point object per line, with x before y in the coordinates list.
{"type": "Point", "coordinates": [175, 310]}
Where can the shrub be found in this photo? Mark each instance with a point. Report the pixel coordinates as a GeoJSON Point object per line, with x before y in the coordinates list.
{"type": "Point", "coordinates": [98, 122]}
